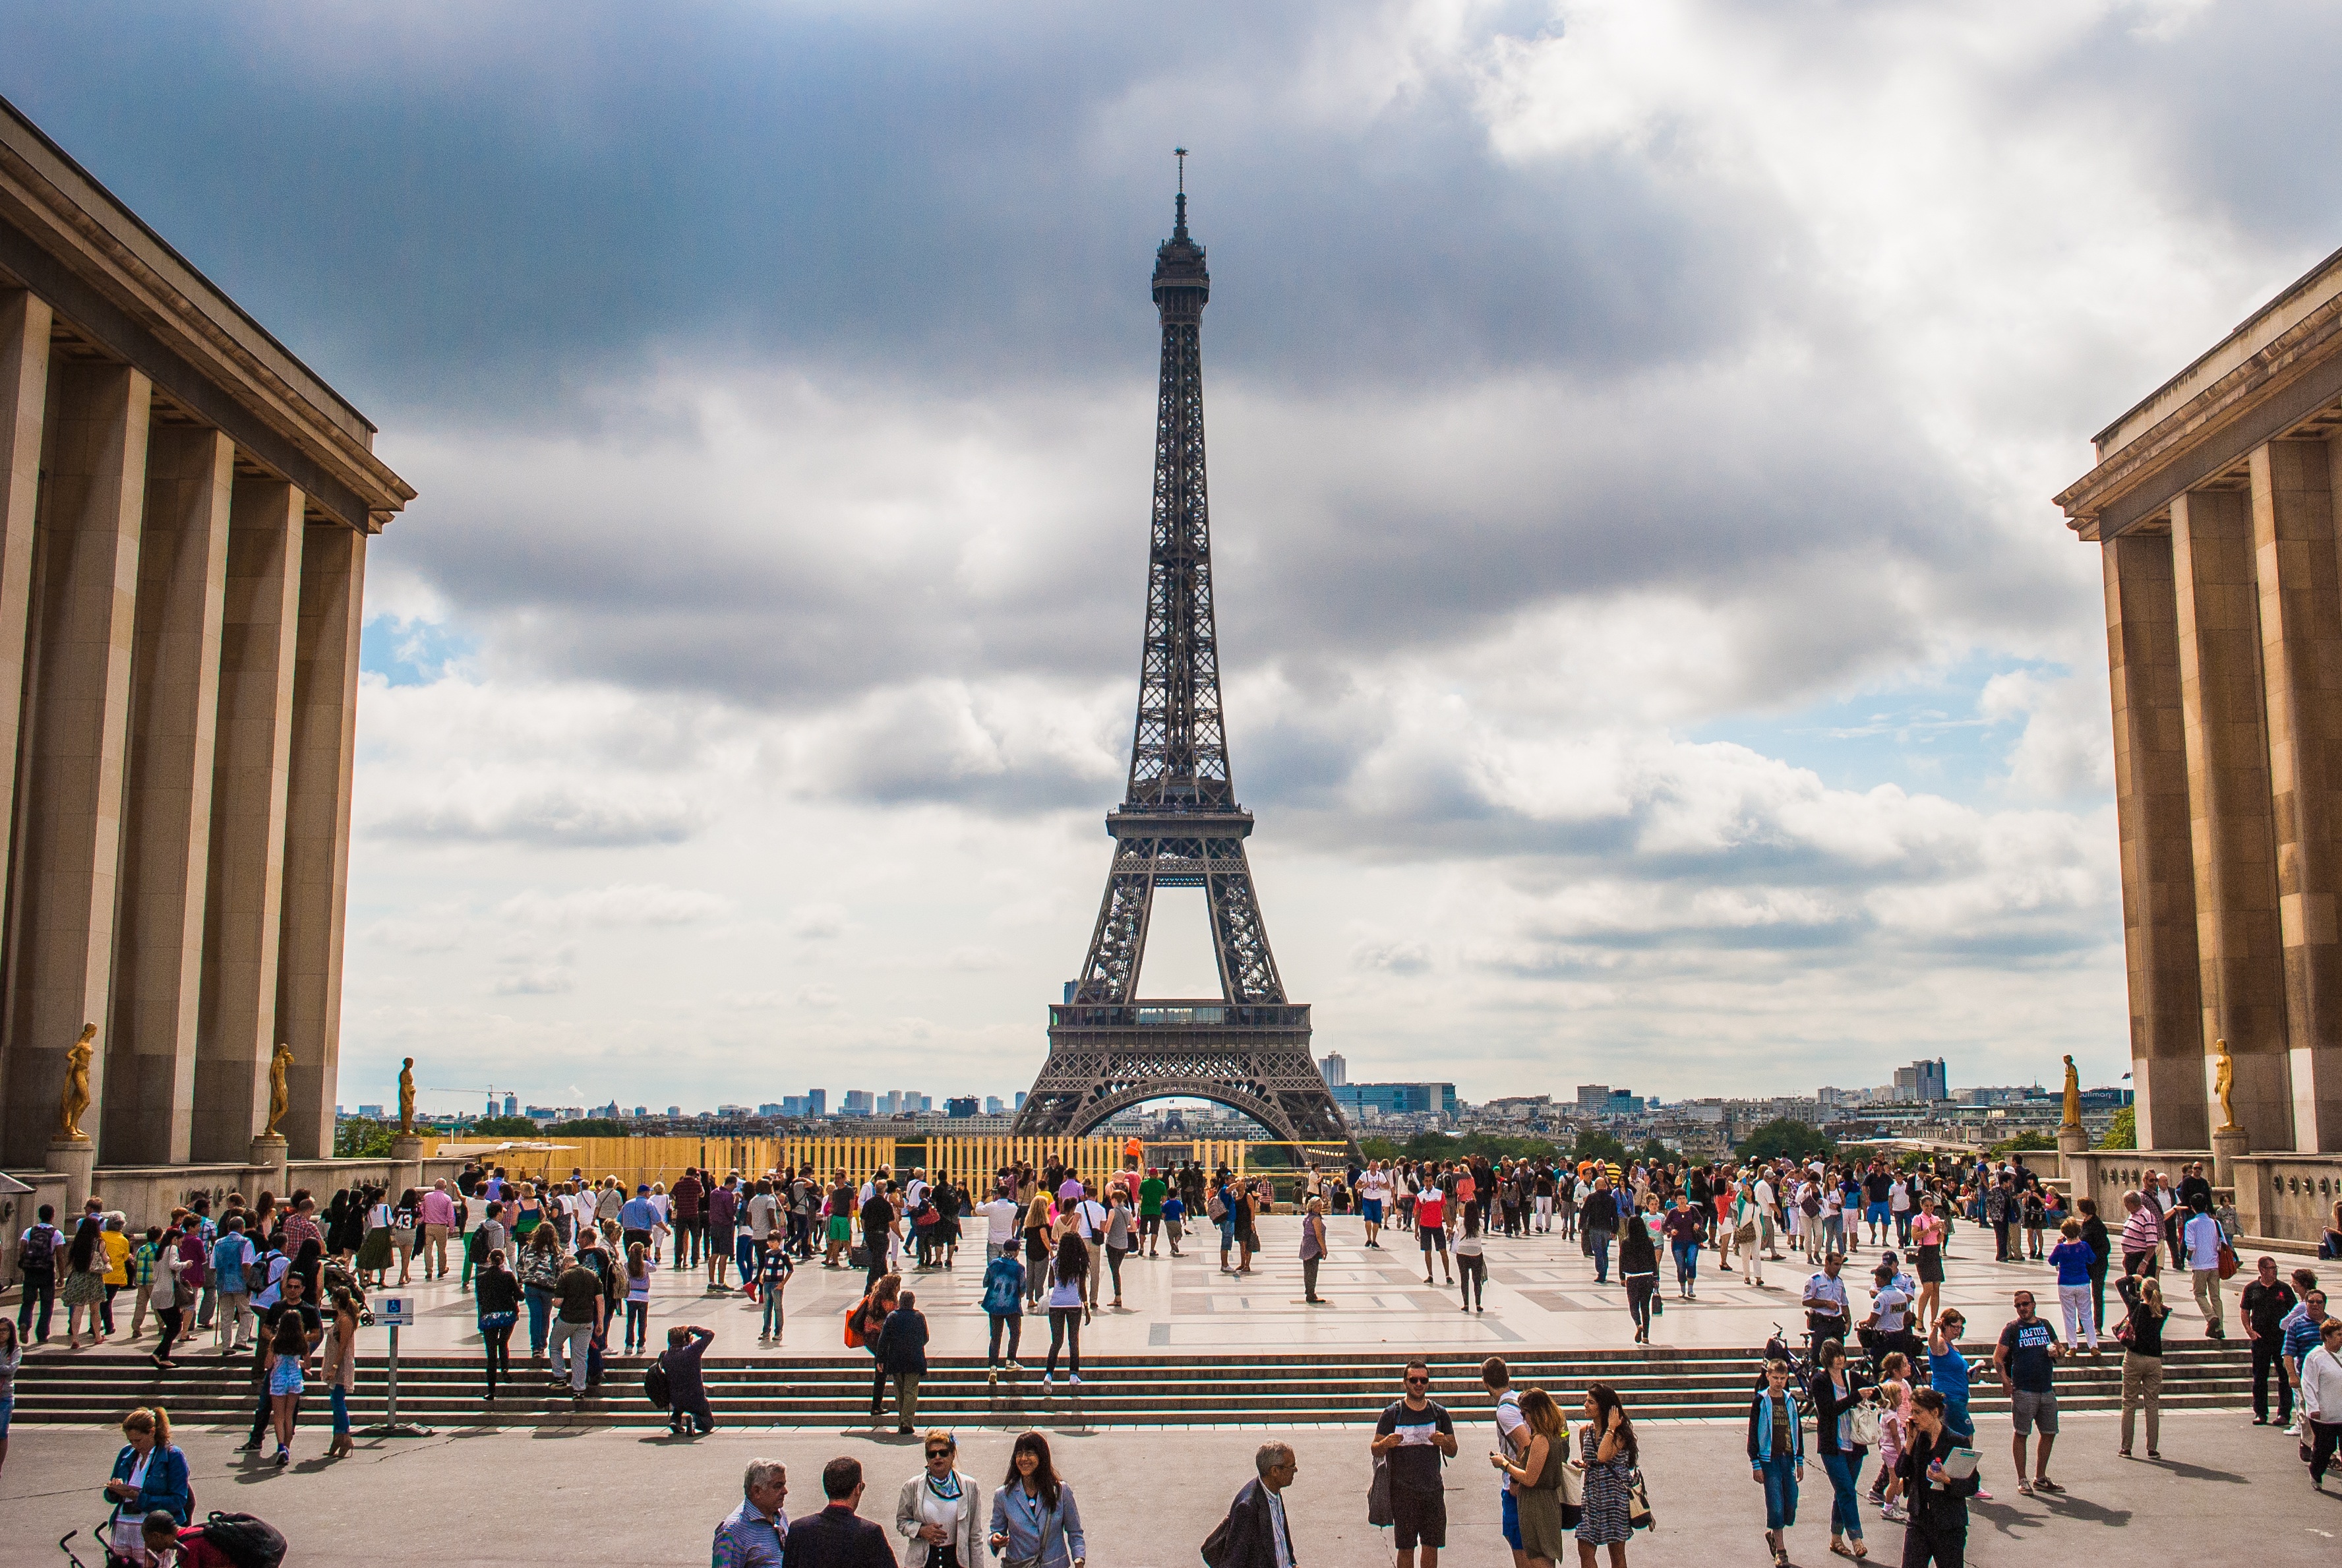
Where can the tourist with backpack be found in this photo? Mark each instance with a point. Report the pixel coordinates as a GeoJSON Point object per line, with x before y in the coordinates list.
{"type": "Point", "coordinates": [37, 1266]}
{"type": "Point", "coordinates": [1004, 1303]}
{"type": "Point", "coordinates": [678, 1367]}
{"type": "Point", "coordinates": [866, 1320]}
{"type": "Point", "coordinates": [223, 1541]}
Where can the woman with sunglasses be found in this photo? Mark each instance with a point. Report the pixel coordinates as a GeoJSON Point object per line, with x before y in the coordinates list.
{"type": "Point", "coordinates": [937, 1512]}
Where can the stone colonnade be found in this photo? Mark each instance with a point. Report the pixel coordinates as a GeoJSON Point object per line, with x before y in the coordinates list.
{"type": "Point", "coordinates": [178, 674]}
{"type": "Point", "coordinates": [2224, 636]}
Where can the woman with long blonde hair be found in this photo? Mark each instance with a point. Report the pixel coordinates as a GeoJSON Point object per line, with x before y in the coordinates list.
{"type": "Point", "coordinates": [1545, 1520]}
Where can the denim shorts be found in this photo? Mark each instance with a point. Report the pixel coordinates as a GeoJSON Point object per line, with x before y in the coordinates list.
{"type": "Point", "coordinates": [7, 1408]}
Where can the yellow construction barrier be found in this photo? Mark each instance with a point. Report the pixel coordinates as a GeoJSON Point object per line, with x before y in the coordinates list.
{"type": "Point", "coordinates": [970, 1160]}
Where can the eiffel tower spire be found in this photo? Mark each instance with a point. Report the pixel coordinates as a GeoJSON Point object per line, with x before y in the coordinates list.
{"type": "Point", "coordinates": [1179, 825]}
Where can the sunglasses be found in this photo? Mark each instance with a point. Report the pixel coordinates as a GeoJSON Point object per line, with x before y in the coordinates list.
{"type": "Point", "coordinates": [939, 1454]}
{"type": "Point", "coordinates": [1423, 1379]}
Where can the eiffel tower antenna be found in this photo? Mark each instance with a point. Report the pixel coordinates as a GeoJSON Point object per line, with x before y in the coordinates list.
{"type": "Point", "coordinates": [1179, 825]}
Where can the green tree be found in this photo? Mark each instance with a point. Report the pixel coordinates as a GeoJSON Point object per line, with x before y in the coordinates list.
{"type": "Point", "coordinates": [593, 1128]}
{"type": "Point", "coordinates": [2123, 1133]}
{"type": "Point", "coordinates": [1654, 1150]}
{"type": "Point", "coordinates": [1592, 1144]}
{"type": "Point", "coordinates": [363, 1138]}
{"type": "Point", "coordinates": [1784, 1136]}
{"type": "Point", "coordinates": [503, 1127]}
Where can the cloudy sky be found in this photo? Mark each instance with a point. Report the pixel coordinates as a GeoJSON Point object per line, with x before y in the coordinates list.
{"type": "Point", "coordinates": [1651, 652]}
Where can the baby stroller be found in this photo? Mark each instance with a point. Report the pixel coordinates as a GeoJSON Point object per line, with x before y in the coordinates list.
{"type": "Point", "coordinates": [243, 1539]}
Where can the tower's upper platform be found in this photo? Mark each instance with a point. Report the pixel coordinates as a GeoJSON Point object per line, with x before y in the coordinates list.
{"type": "Point", "coordinates": [1181, 284]}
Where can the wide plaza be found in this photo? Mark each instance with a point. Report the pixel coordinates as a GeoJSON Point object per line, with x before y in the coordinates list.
{"type": "Point", "coordinates": [1541, 1293]}
{"type": "Point", "coordinates": [2225, 1492]}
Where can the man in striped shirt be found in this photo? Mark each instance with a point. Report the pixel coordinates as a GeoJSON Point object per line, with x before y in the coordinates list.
{"type": "Point", "coordinates": [2142, 1235]}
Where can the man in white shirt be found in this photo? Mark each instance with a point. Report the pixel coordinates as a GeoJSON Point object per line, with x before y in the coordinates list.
{"type": "Point", "coordinates": [2204, 1240]}
{"type": "Point", "coordinates": [1513, 1438]}
{"type": "Point", "coordinates": [1374, 1193]}
{"type": "Point", "coordinates": [1000, 1218]}
{"type": "Point", "coordinates": [1827, 1312]}
{"type": "Point", "coordinates": [1089, 1218]}
{"type": "Point", "coordinates": [1767, 1205]}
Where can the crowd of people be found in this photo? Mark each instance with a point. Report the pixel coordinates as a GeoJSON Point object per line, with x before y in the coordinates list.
{"type": "Point", "coordinates": [287, 1285]}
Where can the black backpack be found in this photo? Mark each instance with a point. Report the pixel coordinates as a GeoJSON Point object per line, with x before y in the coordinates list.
{"type": "Point", "coordinates": [248, 1542]}
{"type": "Point", "coordinates": [654, 1384]}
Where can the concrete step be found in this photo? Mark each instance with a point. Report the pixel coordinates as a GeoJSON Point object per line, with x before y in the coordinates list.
{"type": "Point", "coordinates": [1666, 1383]}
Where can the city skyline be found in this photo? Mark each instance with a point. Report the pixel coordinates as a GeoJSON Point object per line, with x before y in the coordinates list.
{"type": "Point", "coordinates": [1656, 640]}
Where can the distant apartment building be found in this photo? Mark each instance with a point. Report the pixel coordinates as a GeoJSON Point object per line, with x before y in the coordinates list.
{"type": "Point", "coordinates": [1601, 1100]}
{"type": "Point", "coordinates": [372, 1113]}
{"type": "Point", "coordinates": [857, 1103]}
{"type": "Point", "coordinates": [1922, 1081]}
{"type": "Point", "coordinates": [817, 1102]}
{"type": "Point", "coordinates": [994, 1107]}
{"type": "Point", "coordinates": [1395, 1099]}
{"type": "Point", "coordinates": [1337, 1070]}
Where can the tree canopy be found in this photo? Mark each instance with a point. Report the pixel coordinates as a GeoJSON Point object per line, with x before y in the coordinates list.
{"type": "Point", "coordinates": [2123, 1133]}
{"type": "Point", "coordinates": [1786, 1135]}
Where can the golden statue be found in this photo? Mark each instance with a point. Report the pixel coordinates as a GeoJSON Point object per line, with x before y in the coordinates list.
{"type": "Point", "coordinates": [2073, 1096]}
{"type": "Point", "coordinates": [2224, 1079]}
{"type": "Point", "coordinates": [407, 1099]}
{"type": "Point", "coordinates": [280, 1093]}
{"type": "Point", "coordinates": [75, 1098]}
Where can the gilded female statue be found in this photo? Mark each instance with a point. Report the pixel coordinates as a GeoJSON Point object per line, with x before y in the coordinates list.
{"type": "Point", "coordinates": [75, 1098]}
{"type": "Point", "coordinates": [2073, 1094]}
{"type": "Point", "coordinates": [2224, 1078]}
{"type": "Point", "coordinates": [407, 1099]}
{"type": "Point", "coordinates": [280, 1093]}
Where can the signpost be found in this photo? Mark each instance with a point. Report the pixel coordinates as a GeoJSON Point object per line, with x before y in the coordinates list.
{"type": "Point", "coordinates": [394, 1312]}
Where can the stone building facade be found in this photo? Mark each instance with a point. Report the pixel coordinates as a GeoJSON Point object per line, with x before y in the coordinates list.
{"type": "Point", "coordinates": [185, 509]}
{"type": "Point", "coordinates": [2214, 506]}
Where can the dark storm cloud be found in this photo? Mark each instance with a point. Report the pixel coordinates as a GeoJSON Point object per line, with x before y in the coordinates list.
{"type": "Point", "coordinates": [479, 213]}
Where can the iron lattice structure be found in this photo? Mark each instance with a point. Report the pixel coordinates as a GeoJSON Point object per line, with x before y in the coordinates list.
{"type": "Point", "coordinates": [1179, 825]}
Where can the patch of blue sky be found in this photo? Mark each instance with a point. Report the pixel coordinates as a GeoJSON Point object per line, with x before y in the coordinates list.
{"type": "Point", "coordinates": [1927, 733]}
{"type": "Point", "coordinates": [414, 652]}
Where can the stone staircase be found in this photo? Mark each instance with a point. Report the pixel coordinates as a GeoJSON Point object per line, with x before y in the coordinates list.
{"type": "Point", "coordinates": [1265, 1390]}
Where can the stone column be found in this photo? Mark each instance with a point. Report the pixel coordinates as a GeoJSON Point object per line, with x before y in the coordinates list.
{"type": "Point", "coordinates": [173, 702]}
{"type": "Point", "coordinates": [2237, 927]}
{"type": "Point", "coordinates": [2301, 661]}
{"type": "Point", "coordinates": [74, 1159]}
{"type": "Point", "coordinates": [69, 838]}
{"type": "Point", "coordinates": [2158, 878]}
{"type": "Point", "coordinates": [317, 829]}
{"type": "Point", "coordinates": [24, 397]}
{"type": "Point", "coordinates": [249, 771]}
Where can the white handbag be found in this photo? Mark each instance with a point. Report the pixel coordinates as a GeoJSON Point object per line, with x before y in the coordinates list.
{"type": "Point", "coordinates": [1863, 1425]}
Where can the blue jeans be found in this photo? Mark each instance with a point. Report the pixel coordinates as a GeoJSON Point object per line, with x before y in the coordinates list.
{"type": "Point", "coordinates": [341, 1409]}
{"type": "Point", "coordinates": [773, 1318]}
{"type": "Point", "coordinates": [1844, 1471]}
{"type": "Point", "coordinates": [1598, 1243]}
{"type": "Point", "coordinates": [1781, 1472]}
{"type": "Point", "coordinates": [540, 1311]}
{"type": "Point", "coordinates": [1686, 1261]}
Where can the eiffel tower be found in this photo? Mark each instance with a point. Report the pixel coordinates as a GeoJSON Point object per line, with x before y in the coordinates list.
{"type": "Point", "coordinates": [1179, 825]}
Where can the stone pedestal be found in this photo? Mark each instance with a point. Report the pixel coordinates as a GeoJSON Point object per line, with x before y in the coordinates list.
{"type": "Point", "coordinates": [2225, 1147]}
{"type": "Point", "coordinates": [406, 1148]}
{"type": "Point", "coordinates": [2071, 1141]}
{"type": "Point", "coordinates": [75, 1159]}
{"type": "Point", "coordinates": [270, 1151]}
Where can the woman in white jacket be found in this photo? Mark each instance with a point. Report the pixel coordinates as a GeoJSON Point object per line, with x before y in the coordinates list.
{"type": "Point", "coordinates": [937, 1512]}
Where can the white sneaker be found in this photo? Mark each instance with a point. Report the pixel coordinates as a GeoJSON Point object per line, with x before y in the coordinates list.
{"type": "Point", "coordinates": [1046, 1384]}
{"type": "Point", "coordinates": [1075, 1379]}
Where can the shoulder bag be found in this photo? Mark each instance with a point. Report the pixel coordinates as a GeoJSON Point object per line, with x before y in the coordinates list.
{"type": "Point", "coordinates": [1638, 1502]}
{"type": "Point", "coordinates": [1863, 1425]}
